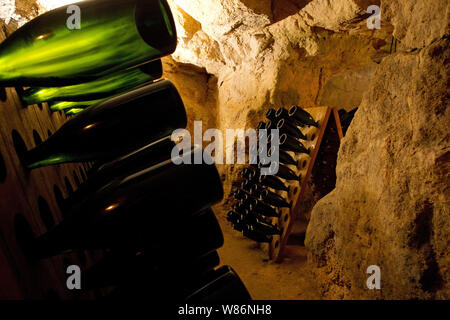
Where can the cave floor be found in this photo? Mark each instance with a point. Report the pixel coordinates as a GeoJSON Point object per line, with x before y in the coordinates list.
{"type": "Point", "coordinates": [266, 280]}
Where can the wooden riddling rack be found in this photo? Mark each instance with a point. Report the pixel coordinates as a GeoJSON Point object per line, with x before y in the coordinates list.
{"type": "Point", "coordinates": [324, 116]}
{"type": "Point", "coordinates": [33, 198]}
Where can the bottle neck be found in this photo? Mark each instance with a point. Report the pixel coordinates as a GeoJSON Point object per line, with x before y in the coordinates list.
{"type": "Point", "coordinates": [41, 156]}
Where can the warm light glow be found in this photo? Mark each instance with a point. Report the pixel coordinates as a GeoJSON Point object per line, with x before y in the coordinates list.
{"type": "Point", "coordinates": [111, 207]}
{"type": "Point", "coordinates": [42, 36]}
{"type": "Point", "coordinates": [89, 126]}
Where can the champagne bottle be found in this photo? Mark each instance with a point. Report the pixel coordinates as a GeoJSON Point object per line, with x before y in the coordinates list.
{"type": "Point", "coordinates": [239, 194]}
{"type": "Point", "coordinates": [283, 156]}
{"type": "Point", "coordinates": [104, 87]}
{"type": "Point", "coordinates": [113, 36]}
{"type": "Point", "coordinates": [73, 111]}
{"type": "Point", "coordinates": [114, 127]}
{"type": "Point", "coordinates": [270, 125]}
{"type": "Point", "coordinates": [270, 114]}
{"type": "Point", "coordinates": [261, 125]}
{"type": "Point", "coordinates": [247, 173]}
{"type": "Point", "coordinates": [232, 216]}
{"type": "Point", "coordinates": [285, 127]}
{"type": "Point", "coordinates": [221, 285]}
{"type": "Point", "coordinates": [196, 243]}
{"type": "Point", "coordinates": [257, 236]}
{"type": "Point", "coordinates": [274, 199]}
{"type": "Point", "coordinates": [252, 177]}
{"type": "Point", "coordinates": [263, 209]}
{"type": "Point", "coordinates": [273, 182]}
{"type": "Point", "coordinates": [282, 113]}
{"type": "Point", "coordinates": [152, 154]}
{"type": "Point", "coordinates": [67, 105]}
{"type": "Point", "coordinates": [303, 116]}
{"type": "Point", "coordinates": [284, 172]}
{"type": "Point", "coordinates": [120, 214]}
{"type": "Point", "coordinates": [240, 207]}
{"type": "Point", "coordinates": [264, 228]}
{"type": "Point", "coordinates": [160, 284]}
{"type": "Point", "coordinates": [290, 144]}
{"type": "Point", "coordinates": [246, 185]}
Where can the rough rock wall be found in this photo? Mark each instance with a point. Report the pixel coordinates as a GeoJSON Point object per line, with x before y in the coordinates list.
{"type": "Point", "coordinates": [277, 53]}
{"type": "Point", "coordinates": [391, 203]}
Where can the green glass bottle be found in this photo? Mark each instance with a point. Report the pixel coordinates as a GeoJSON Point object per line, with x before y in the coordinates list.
{"type": "Point", "coordinates": [114, 127]}
{"type": "Point", "coordinates": [101, 88]}
{"type": "Point", "coordinates": [67, 105]}
{"type": "Point", "coordinates": [74, 111]}
{"type": "Point", "coordinates": [114, 35]}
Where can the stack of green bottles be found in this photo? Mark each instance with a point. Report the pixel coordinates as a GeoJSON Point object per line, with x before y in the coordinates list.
{"type": "Point", "coordinates": [106, 73]}
{"type": "Point", "coordinates": [117, 48]}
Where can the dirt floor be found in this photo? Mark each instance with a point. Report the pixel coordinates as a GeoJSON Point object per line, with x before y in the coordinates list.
{"type": "Point", "coordinates": [266, 280]}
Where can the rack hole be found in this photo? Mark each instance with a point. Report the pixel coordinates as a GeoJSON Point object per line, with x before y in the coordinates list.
{"type": "Point", "coordinates": [19, 145]}
{"type": "Point", "coordinates": [68, 186]}
{"type": "Point", "coordinates": [286, 217]}
{"type": "Point", "coordinates": [277, 243]}
{"type": "Point", "coordinates": [304, 163]}
{"type": "Point", "coordinates": [2, 94]}
{"type": "Point", "coordinates": [295, 190]}
{"type": "Point", "coordinates": [313, 136]}
{"type": "Point", "coordinates": [76, 179]}
{"type": "Point", "coordinates": [2, 169]}
{"type": "Point", "coordinates": [45, 213]}
{"type": "Point", "coordinates": [20, 91]}
{"type": "Point", "coordinates": [58, 197]}
{"type": "Point", "coordinates": [24, 233]}
{"type": "Point", "coordinates": [82, 174]}
{"type": "Point", "coordinates": [37, 138]}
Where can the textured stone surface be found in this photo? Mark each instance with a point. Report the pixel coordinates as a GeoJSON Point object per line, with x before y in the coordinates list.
{"type": "Point", "coordinates": [390, 207]}
{"type": "Point", "coordinates": [417, 22]}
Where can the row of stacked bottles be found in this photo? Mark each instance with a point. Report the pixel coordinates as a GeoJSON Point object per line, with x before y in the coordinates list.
{"type": "Point", "coordinates": [260, 198]}
{"type": "Point", "coordinates": [152, 217]}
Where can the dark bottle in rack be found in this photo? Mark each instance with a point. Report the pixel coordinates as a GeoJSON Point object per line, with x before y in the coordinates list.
{"type": "Point", "coordinates": [101, 174]}
{"type": "Point", "coordinates": [283, 157]}
{"type": "Point", "coordinates": [271, 125]}
{"type": "Point", "coordinates": [261, 125]}
{"type": "Point", "coordinates": [270, 114]}
{"type": "Point", "coordinates": [273, 199]}
{"type": "Point", "coordinates": [288, 143]}
{"type": "Point", "coordinates": [257, 236]}
{"type": "Point", "coordinates": [113, 128]}
{"type": "Point", "coordinates": [220, 285]}
{"type": "Point", "coordinates": [273, 182]}
{"type": "Point", "coordinates": [239, 194]}
{"type": "Point", "coordinates": [282, 113]}
{"type": "Point", "coordinates": [289, 129]}
{"type": "Point", "coordinates": [196, 241]}
{"type": "Point", "coordinates": [265, 228]}
{"type": "Point", "coordinates": [302, 116]}
{"type": "Point", "coordinates": [284, 172]}
{"type": "Point", "coordinates": [233, 216]}
{"type": "Point", "coordinates": [263, 209]}
{"type": "Point", "coordinates": [120, 213]}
